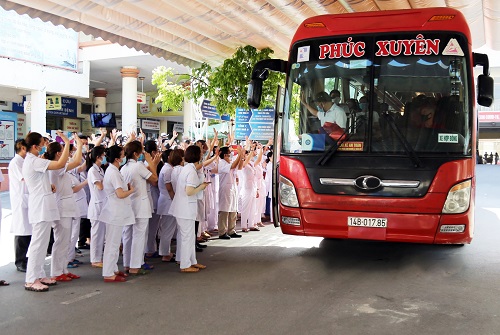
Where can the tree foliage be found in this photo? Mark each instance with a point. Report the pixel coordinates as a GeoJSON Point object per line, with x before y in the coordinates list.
{"type": "Point", "coordinates": [226, 85]}
{"type": "Point", "coordinates": [171, 92]}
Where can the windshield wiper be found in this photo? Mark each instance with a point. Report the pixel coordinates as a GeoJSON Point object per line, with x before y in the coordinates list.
{"type": "Point", "coordinates": [410, 152]}
{"type": "Point", "coordinates": [336, 144]}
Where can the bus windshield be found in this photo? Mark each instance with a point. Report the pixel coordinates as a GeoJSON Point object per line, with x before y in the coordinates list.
{"type": "Point", "coordinates": [381, 100]}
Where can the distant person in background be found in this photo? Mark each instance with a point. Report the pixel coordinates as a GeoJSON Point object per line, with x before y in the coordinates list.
{"type": "Point", "coordinates": [18, 193]}
{"type": "Point", "coordinates": [496, 158]}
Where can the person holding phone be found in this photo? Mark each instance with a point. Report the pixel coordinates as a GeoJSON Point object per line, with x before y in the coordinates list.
{"type": "Point", "coordinates": [184, 208]}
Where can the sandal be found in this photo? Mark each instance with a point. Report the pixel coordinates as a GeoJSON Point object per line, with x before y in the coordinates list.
{"type": "Point", "coordinates": [4, 283]}
{"type": "Point", "coordinates": [36, 287]}
{"type": "Point", "coordinates": [97, 265]}
{"type": "Point", "coordinates": [190, 270]}
{"type": "Point", "coordinates": [117, 279]}
{"type": "Point", "coordinates": [121, 274]}
{"type": "Point", "coordinates": [72, 275]}
{"type": "Point", "coordinates": [72, 265]}
{"type": "Point", "coordinates": [199, 266]}
{"type": "Point", "coordinates": [48, 282]}
{"type": "Point", "coordinates": [171, 260]}
{"type": "Point", "coordinates": [141, 272]}
{"type": "Point", "coordinates": [147, 266]}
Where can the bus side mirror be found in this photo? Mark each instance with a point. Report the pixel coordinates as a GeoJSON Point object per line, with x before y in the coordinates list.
{"type": "Point", "coordinates": [254, 93]}
{"type": "Point", "coordinates": [485, 87]}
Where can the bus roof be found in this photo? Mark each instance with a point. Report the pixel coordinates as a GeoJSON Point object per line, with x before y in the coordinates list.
{"type": "Point", "coordinates": [443, 19]}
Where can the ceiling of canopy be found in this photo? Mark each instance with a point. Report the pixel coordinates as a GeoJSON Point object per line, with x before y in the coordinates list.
{"type": "Point", "coordinates": [190, 32]}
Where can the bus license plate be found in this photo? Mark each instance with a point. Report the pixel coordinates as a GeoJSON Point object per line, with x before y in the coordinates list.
{"type": "Point", "coordinates": [354, 221]}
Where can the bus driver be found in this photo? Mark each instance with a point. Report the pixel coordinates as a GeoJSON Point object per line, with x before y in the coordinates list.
{"type": "Point", "coordinates": [328, 109]}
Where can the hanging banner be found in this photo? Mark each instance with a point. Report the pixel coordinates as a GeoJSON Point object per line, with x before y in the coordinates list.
{"type": "Point", "coordinates": [209, 111]}
{"type": "Point", "coordinates": [256, 124]}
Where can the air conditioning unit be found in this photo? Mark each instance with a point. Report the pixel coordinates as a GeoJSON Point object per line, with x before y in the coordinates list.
{"type": "Point", "coordinates": [5, 105]}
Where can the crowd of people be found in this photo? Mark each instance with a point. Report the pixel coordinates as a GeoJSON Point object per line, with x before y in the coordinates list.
{"type": "Point", "coordinates": [129, 195]}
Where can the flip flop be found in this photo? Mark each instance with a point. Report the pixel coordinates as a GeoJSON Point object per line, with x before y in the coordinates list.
{"type": "Point", "coordinates": [147, 266]}
{"type": "Point", "coordinates": [4, 283]}
{"type": "Point", "coordinates": [48, 283]}
{"type": "Point", "coordinates": [31, 287]}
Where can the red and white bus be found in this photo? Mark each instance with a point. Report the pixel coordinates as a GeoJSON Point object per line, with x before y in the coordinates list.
{"type": "Point", "coordinates": [401, 165]}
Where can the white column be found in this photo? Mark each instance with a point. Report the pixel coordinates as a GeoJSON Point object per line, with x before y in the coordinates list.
{"type": "Point", "coordinates": [188, 117]}
{"type": "Point", "coordinates": [129, 98]}
{"type": "Point", "coordinates": [37, 119]}
{"type": "Point", "coordinates": [100, 95]}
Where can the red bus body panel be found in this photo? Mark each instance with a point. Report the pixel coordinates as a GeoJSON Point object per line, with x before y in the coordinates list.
{"type": "Point", "coordinates": [408, 219]}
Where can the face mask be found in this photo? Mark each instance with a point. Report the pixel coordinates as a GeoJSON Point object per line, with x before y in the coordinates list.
{"type": "Point", "coordinates": [425, 117]}
{"type": "Point", "coordinates": [84, 149]}
{"type": "Point", "coordinates": [141, 158]}
{"type": "Point", "coordinates": [104, 161]}
{"type": "Point", "coordinates": [363, 105]}
{"type": "Point", "coordinates": [320, 109]}
{"type": "Point", "coordinates": [336, 100]}
{"type": "Point", "coordinates": [42, 151]}
{"type": "Point", "coordinates": [124, 160]}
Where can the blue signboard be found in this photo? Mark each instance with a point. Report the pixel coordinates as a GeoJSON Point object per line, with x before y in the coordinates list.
{"type": "Point", "coordinates": [257, 124]}
{"type": "Point", "coordinates": [210, 112]}
{"type": "Point", "coordinates": [68, 108]}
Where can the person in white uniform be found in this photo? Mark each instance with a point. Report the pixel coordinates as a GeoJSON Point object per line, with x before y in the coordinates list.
{"type": "Point", "coordinates": [153, 193]}
{"type": "Point", "coordinates": [177, 161]}
{"type": "Point", "coordinates": [184, 208]}
{"type": "Point", "coordinates": [248, 194]}
{"type": "Point", "coordinates": [67, 210]}
{"type": "Point", "coordinates": [95, 176]}
{"type": "Point", "coordinates": [42, 207]}
{"type": "Point", "coordinates": [261, 189]}
{"type": "Point", "coordinates": [18, 193]}
{"type": "Point", "coordinates": [137, 175]}
{"type": "Point", "coordinates": [116, 213]}
{"type": "Point", "coordinates": [82, 208]}
{"type": "Point", "coordinates": [167, 221]}
{"type": "Point", "coordinates": [228, 193]}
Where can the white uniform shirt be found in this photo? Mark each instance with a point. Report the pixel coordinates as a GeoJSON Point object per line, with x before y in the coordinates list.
{"type": "Point", "coordinates": [114, 210]}
{"type": "Point", "coordinates": [42, 205]}
{"type": "Point", "coordinates": [334, 115]}
{"type": "Point", "coordinates": [64, 193]}
{"type": "Point", "coordinates": [82, 207]}
{"type": "Point", "coordinates": [164, 201]}
{"type": "Point", "coordinates": [228, 192]}
{"type": "Point", "coordinates": [97, 196]}
{"type": "Point", "coordinates": [136, 174]}
{"type": "Point", "coordinates": [175, 175]}
{"type": "Point", "coordinates": [18, 192]}
{"type": "Point", "coordinates": [184, 206]}
{"type": "Point", "coordinates": [153, 194]}
{"type": "Point", "coordinates": [269, 178]}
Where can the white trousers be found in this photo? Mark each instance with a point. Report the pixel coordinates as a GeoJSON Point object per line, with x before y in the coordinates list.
{"type": "Point", "coordinates": [75, 233]}
{"type": "Point", "coordinates": [97, 234]}
{"type": "Point", "coordinates": [213, 216]}
{"type": "Point", "coordinates": [187, 250]}
{"type": "Point", "coordinates": [37, 251]}
{"type": "Point", "coordinates": [167, 230]}
{"type": "Point", "coordinates": [62, 237]}
{"type": "Point", "coordinates": [247, 209]}
{"type": "Point", "coordinates": [134, 241]}
{"type": "Point", "coordinates": [111, 250]}
{"type": "Point", "coordinates": [154, 223]}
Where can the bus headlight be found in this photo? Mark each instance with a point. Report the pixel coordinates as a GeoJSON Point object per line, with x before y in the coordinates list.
{"type": "Point", "coordinates": [458, 198]}
{"type": "Point", "coordinates": [288, 197]}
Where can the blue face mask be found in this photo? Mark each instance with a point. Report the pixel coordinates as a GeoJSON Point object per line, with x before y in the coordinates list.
{"type": "Point", "coordinates": [124, 160]}
{"type": "Point", "coordinates": [42, 151]}
{"type": "Point", "coordinates": [363, 105]}
{"type": "Point", "coordinates": [141, 158]}
{"type": "Point", "coordinates": [320, 109]}
{"type": "Point", "coordinates": [104, 161]}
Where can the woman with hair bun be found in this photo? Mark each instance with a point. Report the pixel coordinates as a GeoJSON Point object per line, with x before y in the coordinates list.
{"type": "Point", "coordinates": [42, 207]}
{"type": "Point", "coordinates": [137, 175]}
{"type": "Point", "coordinates": [185, 207]}
{"type": "Point", "coordinates": [67, 210]}
{"type": "Point", "coordinates": [95, 175]}
{"type": "Point", "coordinates": [116, 212]}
